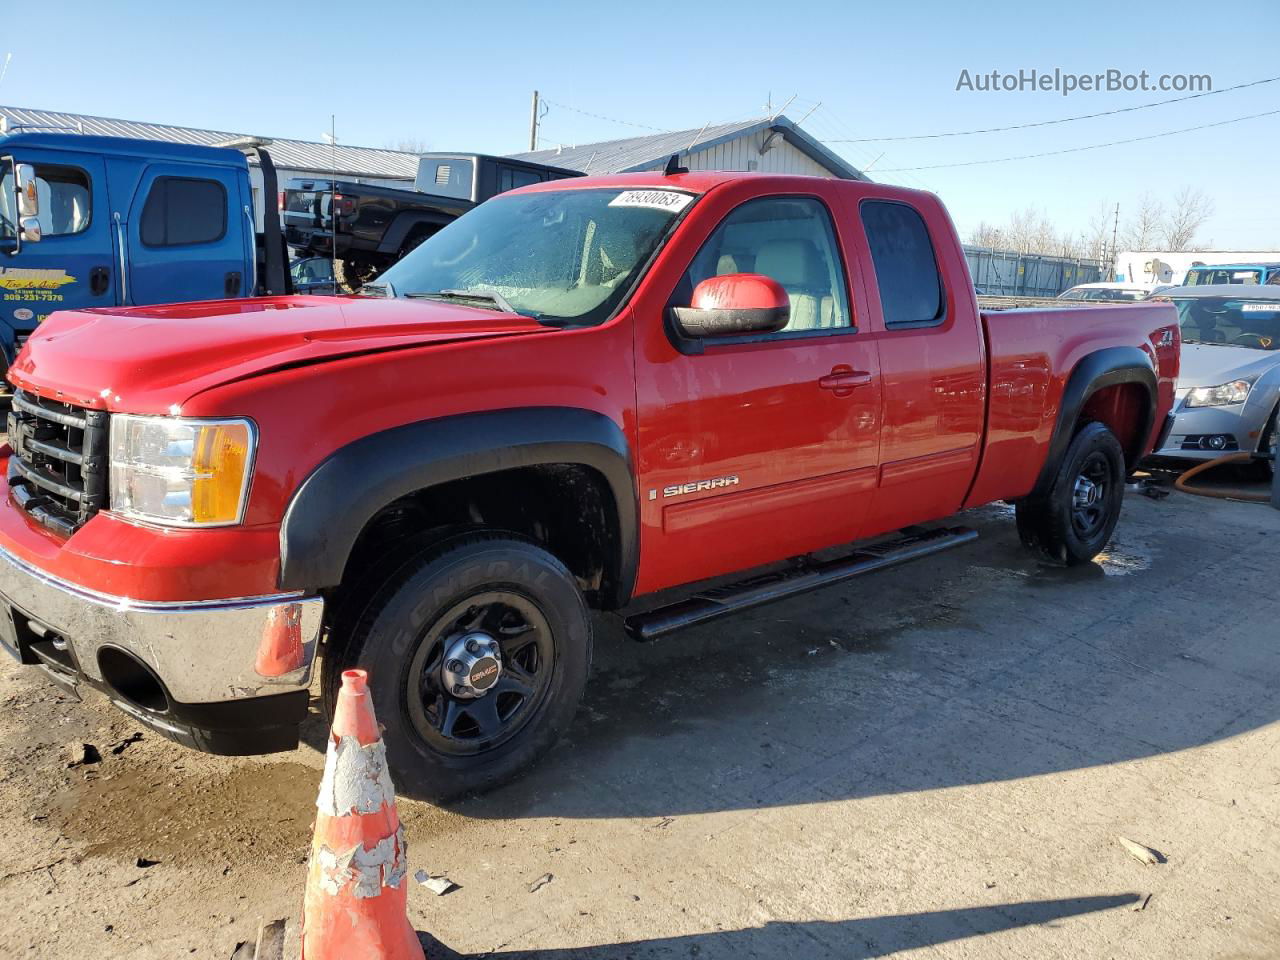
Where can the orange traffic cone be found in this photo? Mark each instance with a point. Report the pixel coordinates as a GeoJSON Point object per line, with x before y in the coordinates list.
{"type": "Point", "coordinates": [355, 902]}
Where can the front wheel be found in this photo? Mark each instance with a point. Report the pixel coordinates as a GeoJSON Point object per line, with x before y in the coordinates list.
{"type": "Point", "coordinates": [478, 651]}
{"type": "Point", "coordinates": [1073, 522]}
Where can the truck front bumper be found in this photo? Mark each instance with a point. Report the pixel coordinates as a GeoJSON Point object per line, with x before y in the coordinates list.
{"type": "Point", "coordinates": [224, 676]}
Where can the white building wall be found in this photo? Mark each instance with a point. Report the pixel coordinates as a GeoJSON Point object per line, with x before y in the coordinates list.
{"type": "Point", "coordinates": [743, 153]}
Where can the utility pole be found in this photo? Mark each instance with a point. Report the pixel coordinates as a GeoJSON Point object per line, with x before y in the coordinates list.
{"type": "Point", "coordinates": [1115, 230]}
{"type": "Point", "coordinates": [533, 123]}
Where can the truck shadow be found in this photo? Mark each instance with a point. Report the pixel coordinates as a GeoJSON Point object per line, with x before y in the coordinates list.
{"type": "Point", "coordinates": [847, 939]}
{"type": "Point", "coordinates": [976, 666]}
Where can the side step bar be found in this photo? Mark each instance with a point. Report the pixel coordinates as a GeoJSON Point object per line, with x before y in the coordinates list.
{"type": "Point", "coordinates": [721, 601]}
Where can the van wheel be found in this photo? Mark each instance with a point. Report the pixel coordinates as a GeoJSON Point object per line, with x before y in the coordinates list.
{"type": "Point", "coordinates": [1073, 522]}
{"type": "Point", "coordinates": [478, 651]}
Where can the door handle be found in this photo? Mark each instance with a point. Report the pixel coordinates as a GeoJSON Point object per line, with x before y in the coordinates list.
{"type": "Point", "coordinates": [231, 284]}
{"type": "Point", "coordinates": [99, 280]}
{"type": "Point", "coordinates": [843, 379]}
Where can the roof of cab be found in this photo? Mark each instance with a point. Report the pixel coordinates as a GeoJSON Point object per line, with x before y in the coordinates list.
{"type": "Point", "coordinates": [702, 181]}
{"type": "Point", "coordinates": [124, 147]}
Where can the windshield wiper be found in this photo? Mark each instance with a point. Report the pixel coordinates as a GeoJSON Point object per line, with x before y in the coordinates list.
{"type": "Point", "coordinates": [495, 298]}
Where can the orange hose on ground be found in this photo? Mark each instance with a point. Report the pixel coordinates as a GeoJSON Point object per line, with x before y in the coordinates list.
{"type": "Point", "coordinates": [1222, 493]}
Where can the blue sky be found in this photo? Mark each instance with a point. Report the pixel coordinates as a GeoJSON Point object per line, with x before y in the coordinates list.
{"type": "Point", "coordinates": [459, 76]}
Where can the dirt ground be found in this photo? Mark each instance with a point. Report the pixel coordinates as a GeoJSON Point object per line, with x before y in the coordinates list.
{"type": "Point", "coordinates": [932, 761]}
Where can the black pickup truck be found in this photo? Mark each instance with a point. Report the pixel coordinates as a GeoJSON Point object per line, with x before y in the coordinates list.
{"type": "Point", "coordinates": [375, 226]}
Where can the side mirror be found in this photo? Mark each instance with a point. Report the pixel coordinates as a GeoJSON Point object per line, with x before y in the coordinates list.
{"type": "Point", "coordinates": [30, 229]}
{"type": "Point", "coordinates": [28, 198]}
{"type": "Point", "coordinates": [735, 304]}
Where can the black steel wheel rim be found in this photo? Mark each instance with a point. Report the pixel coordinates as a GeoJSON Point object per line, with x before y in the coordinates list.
{"type": "Point", "coordinates": [1091, 497]}
{"type": "Point", "coordinates": [456, 726]}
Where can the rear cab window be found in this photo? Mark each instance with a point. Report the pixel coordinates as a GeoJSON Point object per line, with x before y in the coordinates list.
{"type": "Point", "coordinates": [906, 267]}
{"type": "Point", "coordinates": [181, 211]}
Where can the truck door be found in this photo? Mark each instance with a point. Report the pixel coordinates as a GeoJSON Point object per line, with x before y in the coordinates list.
{"type": "Point", "coordinates": [187, 236]}
{"type": "Point", "coordinates": [761, 446]}
{"type": "Point", "coordinates": [932, 360]}
{"type": "Point", "coordinates": [73, 264]}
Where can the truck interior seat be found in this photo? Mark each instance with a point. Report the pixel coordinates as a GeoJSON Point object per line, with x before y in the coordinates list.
{"type": "Point", "coordinates": [797, 265]}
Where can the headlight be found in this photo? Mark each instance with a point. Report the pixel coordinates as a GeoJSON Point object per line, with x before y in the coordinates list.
{"type": "Point", "coordinates": [1237, 391]}
{"type": "Point", "coordinates": [178, 472]}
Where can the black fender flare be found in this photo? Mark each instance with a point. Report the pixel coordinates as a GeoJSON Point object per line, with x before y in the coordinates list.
{"type": "Point", "coordinates": [1103, 368]}
{"type": "Point", "coordinates": [404, 222]}
{"type": "Point", "coordinates": [334, 503]}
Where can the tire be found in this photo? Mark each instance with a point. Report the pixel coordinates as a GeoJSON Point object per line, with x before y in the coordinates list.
{"type": "Point", "coordinates": [411, 244]}
{"type": "Point", "coordinates": [1071, 525]}
{"type": "Point", "coordinates": [518, 602]}
{"type": "Point", "coordinates": [1268, 445]}
{"type": "Point", "coordinates": [354, 274]}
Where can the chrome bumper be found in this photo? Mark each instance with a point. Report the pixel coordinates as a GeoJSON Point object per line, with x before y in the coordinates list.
{"type": "Point", "coordinates": [204, 652]}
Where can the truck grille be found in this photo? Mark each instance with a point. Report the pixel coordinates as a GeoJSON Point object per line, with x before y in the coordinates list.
{"type": "Point", "coordinates": [58, 470]}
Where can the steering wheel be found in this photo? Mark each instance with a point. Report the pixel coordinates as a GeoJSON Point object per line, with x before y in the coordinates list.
{"type": "Point", "coordinates": [1256, 340]}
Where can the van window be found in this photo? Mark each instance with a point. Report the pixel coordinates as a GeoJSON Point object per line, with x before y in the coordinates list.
{"type": "Point", "coordinates": [509, 178]}
{"type": "Point", "coordinates": [63, 193]}
{"type": "Point", "coordinates": [182, 211]}
{"type": "Point", "coordinates": [905, 265]}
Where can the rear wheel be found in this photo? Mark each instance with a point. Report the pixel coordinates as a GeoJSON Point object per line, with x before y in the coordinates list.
{"type": "Point", "coordinates": [1073, 522]}
{"type": "Point", "coordinates": [478, 651]}
{"type": "Point", "coordinates": [356, 273]}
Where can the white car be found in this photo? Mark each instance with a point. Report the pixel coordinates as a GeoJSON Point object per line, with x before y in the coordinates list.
{"type": "Point", "coordinates": [1112, 292]}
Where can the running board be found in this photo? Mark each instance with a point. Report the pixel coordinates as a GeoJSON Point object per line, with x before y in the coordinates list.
{"type": "Point", "coordinates": [732, 598]}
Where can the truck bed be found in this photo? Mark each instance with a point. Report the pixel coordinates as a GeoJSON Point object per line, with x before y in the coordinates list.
{"type": "Point", "coordinates": [1031, 355]}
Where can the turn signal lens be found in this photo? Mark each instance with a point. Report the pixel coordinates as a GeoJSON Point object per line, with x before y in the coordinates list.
{"type": "Point", "coordinates": [220, 466]}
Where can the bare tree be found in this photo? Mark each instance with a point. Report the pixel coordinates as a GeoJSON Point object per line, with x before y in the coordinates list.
{"type": "Point", "coordinates": [1143, 227]}
{"type": "Point", "coordinates": [1095, 242]}
{"type": "Point", "coordinates": [1191, 208]}
{"type": "Point", "coordinates": [986, 235]}
{"type": "Point", "coordinates": [408, 145]}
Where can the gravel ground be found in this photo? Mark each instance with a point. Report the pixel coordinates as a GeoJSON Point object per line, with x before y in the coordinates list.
{"type": "Point", "coordinates": [933, 761]}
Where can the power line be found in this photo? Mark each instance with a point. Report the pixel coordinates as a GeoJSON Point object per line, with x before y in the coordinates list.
{"type": "Point", "coordinates": [600, 116]}
{"type": "Point", "coordinates": [1092, 146]}
{"type": "Point", "coordinates": [1048, 123]}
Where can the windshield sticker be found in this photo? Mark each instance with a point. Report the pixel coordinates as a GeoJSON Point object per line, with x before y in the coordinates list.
{"type": "Point", "coordinates": [653, 199]}
{"type": "Point", "coordinates": [1260, 308]}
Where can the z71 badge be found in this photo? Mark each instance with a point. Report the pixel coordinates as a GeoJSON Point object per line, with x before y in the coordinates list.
{"type": "Point", "coordinates": [697, 486]}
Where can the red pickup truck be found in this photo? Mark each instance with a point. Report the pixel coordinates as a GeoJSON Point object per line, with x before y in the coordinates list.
{"type": "Point", "coordinates": [576, 395]}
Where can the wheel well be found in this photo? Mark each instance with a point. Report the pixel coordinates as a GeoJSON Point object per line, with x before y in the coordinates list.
{"type": "Point", "coordinates": [1123, 408]}
{"type": "Point", "coordinates": [566, 508]}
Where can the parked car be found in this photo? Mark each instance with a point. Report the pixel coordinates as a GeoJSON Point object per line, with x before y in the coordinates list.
{"type": "Point", "coordinates": [1229, 388]}
{"type": "Point", "coordinates": [575, 396]}
{"type": "Point", "coordinates": [313, 275]}
{"type": "Point", "coordinates": [370, 227]}
{"type": "Point", "coordinates": [90, 221]}
{"type": "Point", "coordinates": [1120, 292]}
{"type": "Point", "coordinates": [1260, 274]}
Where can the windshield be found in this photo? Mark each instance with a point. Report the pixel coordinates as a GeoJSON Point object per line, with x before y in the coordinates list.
{"type": "Point", "coordinates": [567, 256]}
{"type": "Point", "coordinates": [1233, 321]}
{"type": "Point", "coordinates": [1204, 276]}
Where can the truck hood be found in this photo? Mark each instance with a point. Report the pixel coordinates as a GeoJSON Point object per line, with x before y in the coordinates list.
{"type": "Point", "coordinates": [148, 359]}
{"type": "Point", "coordinates": [1209, 365]}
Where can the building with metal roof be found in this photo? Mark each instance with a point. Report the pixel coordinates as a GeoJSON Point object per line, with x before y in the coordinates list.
{"type": "Point", "coordinates": [768, 144]}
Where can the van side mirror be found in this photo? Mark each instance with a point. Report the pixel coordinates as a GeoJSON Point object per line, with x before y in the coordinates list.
{"type": "Point", "coordinates": [24, 178]}
{"type": "Point", "coordinates": [736, 304]}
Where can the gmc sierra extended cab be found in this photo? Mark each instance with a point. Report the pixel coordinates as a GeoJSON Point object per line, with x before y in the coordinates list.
{"type": "Point", "coordinates": [577, 395]}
